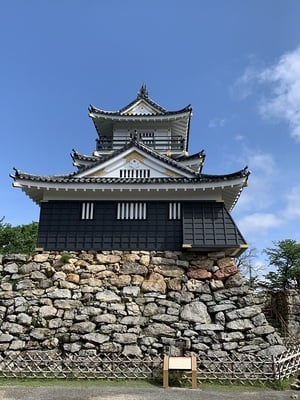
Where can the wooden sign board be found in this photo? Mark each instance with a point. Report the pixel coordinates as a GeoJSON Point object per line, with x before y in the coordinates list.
{"type": "Point", "coordinates": [180, 363]}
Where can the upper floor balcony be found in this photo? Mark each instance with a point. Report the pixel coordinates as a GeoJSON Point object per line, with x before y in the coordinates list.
{"type": "Point", "coordinates": [160, 144]}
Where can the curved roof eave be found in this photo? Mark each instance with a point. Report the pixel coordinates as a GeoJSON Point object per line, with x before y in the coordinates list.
{"type": "Point", "coordinates": [226, 180]}
{"type": "Point", "coordinates": [199, 155]}
{"type": "Point", "coordinates": [139, 146]}
{"type": "Point", "coordinates": [78, 156]}
{"type": "Point", "coordinates": [37, 190]}
{"type": "Point", "coordinates": [230, 185]}
{"type": "Point", "coordinates": [110, 115]}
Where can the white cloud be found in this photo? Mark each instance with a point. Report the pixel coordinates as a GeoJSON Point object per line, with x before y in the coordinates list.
{"type": "Point", "coordinates": [216, 123]}
{"type": "Point", "coordinates": [292, 209]}
{"type": "Point", "coordinates": [284, 100]}
{"type": "Point", "coordinates": [263, 162]}
{"type": "Point", "coordinates": [239, 138]}
{"type": "Point", "coordinates": [259, 194]}
{"type": "Point", "coordinates": [244, 85]}
{"type": "Point", "coordinates": [259, 222]}
{"type": "Point", "coordinates": [282, 82]}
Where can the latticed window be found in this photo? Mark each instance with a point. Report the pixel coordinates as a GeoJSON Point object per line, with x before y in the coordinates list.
{"type": "Point", "coordinates": [174, 211]}
{"type": "Point", "coordinates": [134, 173]}
{"type": "Point", "coordinates": [131, 210]}
{"type": "Point", "coordinates": [87, 211]}
{"type": "Point", "coordinates": [147, 137]}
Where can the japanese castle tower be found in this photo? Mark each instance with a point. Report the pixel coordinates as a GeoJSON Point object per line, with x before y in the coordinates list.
{"type": "Point", "coordinates": [139, 190]}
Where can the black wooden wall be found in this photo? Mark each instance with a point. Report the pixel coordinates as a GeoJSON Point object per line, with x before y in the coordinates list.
{"type": "Point", "coordinates": [204, 225]}
{"type": "Point", "coordinates": [61, 228]}
{"type": "Point", "coordinates": [209, 225]}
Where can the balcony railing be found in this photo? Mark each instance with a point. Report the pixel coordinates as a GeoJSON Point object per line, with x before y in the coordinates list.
{"type": "Point", "coordinates": [160, 144]}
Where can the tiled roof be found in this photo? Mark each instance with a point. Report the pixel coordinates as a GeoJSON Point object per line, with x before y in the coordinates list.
{"type": "Point", "coordinates": [72, 178]}
{"type": "Point", "coordinates": [95, 110]}
{"type": "Point", "coordinates": [200, 154]}
{"type": "Point", "coordinates": [78, 156]}
{"type": "Point", "coordinates": [135, 143]}
{"type": "Point", "coordinates": [142, 94]}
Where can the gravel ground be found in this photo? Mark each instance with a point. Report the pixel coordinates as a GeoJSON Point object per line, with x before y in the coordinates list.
{"type": "Point", "coordinates": [137, 393]}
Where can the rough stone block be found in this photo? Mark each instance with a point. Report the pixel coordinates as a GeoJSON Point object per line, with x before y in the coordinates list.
{"type": "Point", "coordinates": [155, 283]}
{"type": "Point", "coordinates": [200, 274]}
{"type": "Point", "coordinates": [240, 325]}
{"type": "Point", "coordinates": [195, 312]}
{"type": "Point", "coordinates": [95, 337]}
{"type": "Point", "coordinates": [108, 296]}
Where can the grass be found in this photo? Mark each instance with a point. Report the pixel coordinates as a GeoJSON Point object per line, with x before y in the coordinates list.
{"type": "Point", "coordinates": [36, 382]}
{"type": "Point", "coordinates": [65, 258]}
{"type": "Point", "coordinates": [209, 386]}
{"type": "Point", "coordinates": [254, 386]}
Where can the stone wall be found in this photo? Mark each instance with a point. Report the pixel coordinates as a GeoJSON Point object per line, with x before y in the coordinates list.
{"type": "Point", "coordinates": [286, 306]}
{"type": "Point", "coordinates": [293, 312]}
{"type": "Point", "coordinates": [282, 310]}
{"type": "Point", "coordinates": [131, 303]}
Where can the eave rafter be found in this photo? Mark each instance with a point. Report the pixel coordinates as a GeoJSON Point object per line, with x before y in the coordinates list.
{"type": "Point", "coordinates": [178, 117]}
{"type": "Point", "coordinates": [222, 188]}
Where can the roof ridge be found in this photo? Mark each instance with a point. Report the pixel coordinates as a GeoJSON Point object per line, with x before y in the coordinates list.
{"type": "Point", "coordinates": [148, 150]}
{"type": "Point", "coordinates": [142, 94]}
{"type": "Point", "coordinates": [197, 178]}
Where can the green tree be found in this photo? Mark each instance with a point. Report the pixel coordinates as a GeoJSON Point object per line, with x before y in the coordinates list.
{"type": "Point", "coordinates": [285, 257]}
{"type": "Point", "coordinates": [249, 267]}
{"type": "Point", "coordinates": [18, 239]}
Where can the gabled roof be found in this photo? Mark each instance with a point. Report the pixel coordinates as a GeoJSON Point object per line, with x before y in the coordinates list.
{"type": "Point", "coordinates": [81, 161]}
{"type": "Point", "coordinates": [133, 117]}
{"type": "Point", "coordinates": [200, 154]}
{"type": "Point", "coordinates": [83, 157]}
{"type": "Point", "coordinates": [226, 187]}
{"type": "Point", "coordinates": [194, 161]}
{"type": "Point", "coordinates": [135, 144]}
{"type": "Point", "coordinates": [84, 161]}
{"type": "Point", "coordinates": [142, 95]}
{"type": "Point", "coordinates": [73, 177]}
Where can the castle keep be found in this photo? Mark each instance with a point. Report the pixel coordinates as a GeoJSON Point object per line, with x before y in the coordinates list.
{"type": "Point", "coordinates": [139, 190]}
{"type": "Point", "coordinates": [150, 248]}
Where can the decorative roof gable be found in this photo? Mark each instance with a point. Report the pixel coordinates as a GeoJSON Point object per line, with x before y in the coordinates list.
{"type": "Point", "coordinates": [136, 161]}
{"type": "Point", "coordinates": [140, 107]}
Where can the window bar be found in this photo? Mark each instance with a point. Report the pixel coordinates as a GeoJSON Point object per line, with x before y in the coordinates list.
{"type": "Point", "coordinates": [131, 210]}
{"type": "Point", "coordinates": [136, 210]}
{"type": "Point", "coordinates": [140, 216]}
{"type": "Point", "coordinates": [91, 210]}
{"type": "Point", "coordinates": [178, 210]}
{"type": "Point", "coordinates": [83, 211]}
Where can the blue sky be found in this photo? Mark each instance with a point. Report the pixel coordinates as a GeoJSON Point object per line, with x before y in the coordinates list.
{"type": "Point", "coordinates": [237, 62]}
